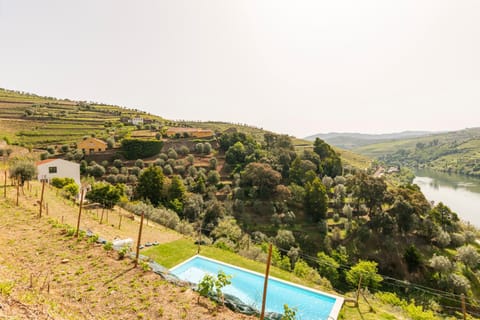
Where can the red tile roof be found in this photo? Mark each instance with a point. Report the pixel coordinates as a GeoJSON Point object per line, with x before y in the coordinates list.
{"type": "Point", "coordinates": [44, 161]}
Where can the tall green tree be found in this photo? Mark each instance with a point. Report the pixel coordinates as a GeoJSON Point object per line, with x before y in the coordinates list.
{"type": "Point", "coordinates": [150, 185]}
{"type": "Point", "coordinates": [370, 190]}
{"type": "Point", "coordinates": [331, 164]}
{"type": "Point", "coordinates": [236, 154]}
{"type": "Point", "coordinates": [315, 200]}
{"type": "Point", "coordinates": [176, 194]}
{"type": "Point", "coordinates": [262, 177]}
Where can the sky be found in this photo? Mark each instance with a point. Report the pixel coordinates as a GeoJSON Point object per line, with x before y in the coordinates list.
{"type": "Point", "coordinates": [293, 67]}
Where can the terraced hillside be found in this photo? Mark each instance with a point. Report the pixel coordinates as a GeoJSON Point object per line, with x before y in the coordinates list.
{"type": "Point", "coordinates": [31, 120]}
{"type": "Point", "coordinates": [456, 151]}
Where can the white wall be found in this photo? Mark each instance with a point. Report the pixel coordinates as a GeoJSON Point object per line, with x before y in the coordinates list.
{"type": "Point", "coordinates": [65, 169]}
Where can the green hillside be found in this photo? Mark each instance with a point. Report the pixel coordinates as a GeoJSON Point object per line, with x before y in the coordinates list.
{"type": "Point", "coordinates": [457, 151]}
{"type": "Point", "coordinates": [35, 121]}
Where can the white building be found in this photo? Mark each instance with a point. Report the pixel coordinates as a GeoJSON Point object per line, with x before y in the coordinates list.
{"type": "Point", "coordinates": [58, 168]}
{"type": "Point", "coordinates": [137, 120]}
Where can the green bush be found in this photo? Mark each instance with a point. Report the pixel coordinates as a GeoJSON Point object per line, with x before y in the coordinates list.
{"type": "Point", "coordinates": [136, 148]}
{"type": "Point", "coordinates": [61, 182]}
{"type": "Point", "coordinates": [71, 189]}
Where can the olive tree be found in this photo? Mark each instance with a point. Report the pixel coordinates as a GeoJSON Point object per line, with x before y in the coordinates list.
{"type": "Point", "coordinates": [24, 169]}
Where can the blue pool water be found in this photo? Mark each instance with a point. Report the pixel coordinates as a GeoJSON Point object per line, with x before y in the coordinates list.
{"type": "Point", "coordinates": [248, 287]}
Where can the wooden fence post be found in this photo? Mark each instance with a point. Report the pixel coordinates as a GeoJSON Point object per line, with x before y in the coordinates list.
{"type": "Point", "coordinates": [139, 239]}
{"type": "Point", "coordinates": [464, 308]}
{"type": "Point", "coordinates": [5, 185]}
{"type": "Point", "coordinates": [265, 284]}
{"type": "Point", "coordinates": [359, 288]}
{"type": "Point", "coordinates": [79, 212]}
{"type": "Point", "coordinates": [41, 198]}
{"type": "Point", "coordinates": [18, 189]}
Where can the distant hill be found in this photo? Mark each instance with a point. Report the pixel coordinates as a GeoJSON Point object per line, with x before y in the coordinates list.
{"type": "Point", "coordinates": [351, 140]}
{"type": "Point", "coordinates": [455, 151]}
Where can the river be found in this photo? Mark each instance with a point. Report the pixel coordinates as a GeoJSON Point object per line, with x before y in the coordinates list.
{"type": "Point", "coordinates": [460, 193]}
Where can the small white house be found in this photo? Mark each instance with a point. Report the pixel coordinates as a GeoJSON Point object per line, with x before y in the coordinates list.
{"type": "Point", "coordinates": [137, 120]}
{"type": "Point", "coordinates": [58, 168]}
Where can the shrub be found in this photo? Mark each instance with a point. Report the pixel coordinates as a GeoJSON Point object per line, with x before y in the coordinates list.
{"type": "Point", "coordinates": [135, 171]}
{"type": "Point", "coordinates": [95, 171]}
{"type": "Point", "coordinates": [213, 177]}
{"type": "Point", "coordinates": [199, 148]}
{"type": "Point", "coordinates": [163, 156]}
{"type": "Point", "coordinates": [468, 255]}
{"type": "Point", "coordinates": [207, 148]}
{"type": "Point", "coordinates": [190, 159]}
{"type": "Point", "coordinates": [289, 313]}
{"type": "Point", "coordinates": [443, 239]}
{"type": "Point", "coordinates": [130, 179]}
{"type": "Point", "coordinates": [71, 189]}
{"type": "Point", "coordinates": [213, 163]}
{"type": "Point", "coordinates": [111, 178]}
{"type": "Point", "coordinates": [172, 154]}
{"type": "Point", "coordinates": [139, 163]}
{"type": "Point", "coordinates": [117, 163]}
{"type": "Point", "coordinates": [368, 271]}
{"type": "Point", "coordinates": [113, 170]}
{"type": "Point", "coordinates": [336, 217]}
{"type": "Point", "coordinates": [108, 246]}
{"type": "Point", "coordinates": [328, 267]}
{"type": "Point", "coordinates": [284, 239]}
{"type": "Point", "coordinates": [123, 252]}
{"type": "Point", "coordinates": [210, 285]}
{"type": "Point", "coordinates": [184, 150]}
{"type": "Point", "coordinates": [180, 170]}
{"type": "Point", "coordinates": [61, 182]}
{"type": "Point", "coordinates": [110, 142]}
{"type": "Point", "coordinates": [185, 228]}
{"type": "Point", "coordinates": [441, 264]}
{"type": "Point", "coordinates": [167, 170]}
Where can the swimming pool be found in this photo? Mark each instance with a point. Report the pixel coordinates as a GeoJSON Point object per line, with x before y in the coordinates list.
{"type": "Point", "coordinates": [248, 287]}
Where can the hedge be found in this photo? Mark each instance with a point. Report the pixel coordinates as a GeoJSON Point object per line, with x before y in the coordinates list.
{"type": "Point", "coordinates": [136, 148]}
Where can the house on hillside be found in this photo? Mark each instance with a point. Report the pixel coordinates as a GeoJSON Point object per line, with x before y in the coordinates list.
{"type": "Point", "coordinates": [91, 145]}
{"type": "Point", "coordinates": [58, 168]}
{"type": "Point", "coordinates": [137, 121]}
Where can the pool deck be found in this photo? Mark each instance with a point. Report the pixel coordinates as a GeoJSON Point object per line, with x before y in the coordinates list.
{"type": "Point", "coordinates": [338, 300]}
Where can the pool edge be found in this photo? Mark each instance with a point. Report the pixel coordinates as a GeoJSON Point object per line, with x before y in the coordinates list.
{"type": "Point", "coordinates": [337, 306]}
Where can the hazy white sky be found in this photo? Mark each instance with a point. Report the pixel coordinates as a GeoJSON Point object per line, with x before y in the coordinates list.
{"type": "Point", "coordinates": [296, 67]}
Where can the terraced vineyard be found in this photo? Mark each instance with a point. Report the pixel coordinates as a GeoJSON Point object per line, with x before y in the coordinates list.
{"type": "Point", "coordinates": [31, 120]}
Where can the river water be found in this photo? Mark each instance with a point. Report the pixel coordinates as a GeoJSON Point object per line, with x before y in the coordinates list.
{"type": "Point", "coordinates": [460, 193]}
